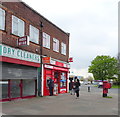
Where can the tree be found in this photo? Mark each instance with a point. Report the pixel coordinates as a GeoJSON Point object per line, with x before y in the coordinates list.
{"type": "Point", "coordinates": [82, 78]}
{"type": "Point", "coordinates": [90, 78]}
{"type": "Point", "coordinates": [103, 67]}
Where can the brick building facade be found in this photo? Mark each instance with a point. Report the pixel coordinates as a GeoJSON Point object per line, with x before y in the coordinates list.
{"type": "Point", "coordinates": [21, 64]}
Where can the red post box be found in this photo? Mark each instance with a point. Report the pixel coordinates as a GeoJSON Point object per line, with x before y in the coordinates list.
{"type": "Point", "coordinates": [106, 86]}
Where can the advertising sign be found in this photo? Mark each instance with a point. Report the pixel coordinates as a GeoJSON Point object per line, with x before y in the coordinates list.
{"type": "Point", "coordinates": [70, 59]}
{"type": "Point", "coordinates": [46, 60]}
{"type": "Point", "coordinates": [8, 51]}
{"type": "Point", "coordinates": [23, 41]}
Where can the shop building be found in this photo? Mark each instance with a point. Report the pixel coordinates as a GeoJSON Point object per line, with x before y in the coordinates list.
{"type": "Point", "coordinates": [59, 73]}
{"type": "Point", "coordinates": [19, 73]}
{"type": "Point", "coordinates": [20, 65]}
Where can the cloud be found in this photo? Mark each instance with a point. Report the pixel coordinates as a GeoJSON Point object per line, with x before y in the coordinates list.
{"type": "Point", "coordinates": [92, 24]}
{"type": "Point", "coordinates": [80, 72]}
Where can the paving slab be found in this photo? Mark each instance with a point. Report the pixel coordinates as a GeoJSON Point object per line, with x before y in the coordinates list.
{"type": "Point", "coordinates": [89, 103]}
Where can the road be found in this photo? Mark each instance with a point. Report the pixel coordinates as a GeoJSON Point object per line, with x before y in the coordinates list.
{"type": "Point", "coordinates": [89, 103]}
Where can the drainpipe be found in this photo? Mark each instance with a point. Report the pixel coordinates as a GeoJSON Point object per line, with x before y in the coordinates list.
{"type": "Point", "coordinates": [40, 70]}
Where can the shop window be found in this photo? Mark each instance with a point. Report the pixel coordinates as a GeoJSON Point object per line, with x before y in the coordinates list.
{"type": "Point", "coordinates": [2, 19]}
{"type": "Point", "coordinates": [28, 87]}
{"type": "Point", "coordinates": [63, 80]}
{"type": "Point", "coordinates": [17, 26]}
{"type": "Point", "coordinates": [63, 48]}
{"type": "Point", "coordinates": [4, 89]}
{"type": "Point", "coordinates": [55, 45]}
{"type": "Point", "coordinates": [34, 34]}
{"type": "Point", "coordinates": [46, 40]}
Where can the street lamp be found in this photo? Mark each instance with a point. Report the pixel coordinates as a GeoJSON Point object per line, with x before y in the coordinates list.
{"type": "Point", "coordinates": [40, 70]}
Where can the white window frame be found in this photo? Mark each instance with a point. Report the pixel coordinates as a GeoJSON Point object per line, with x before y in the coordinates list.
{"type": "Point", "coordinates": [2, 19]}
{"type": "Point", "coordinates": [34, 34]}
{"type": "Point", "coordinates": [18, 26]}
{"type": "Point", "coordinates": [46, 40]}
{"type": "Point", "coordinates": [55, 45]}
{"type": "Point", "coordinates": [63, 48]}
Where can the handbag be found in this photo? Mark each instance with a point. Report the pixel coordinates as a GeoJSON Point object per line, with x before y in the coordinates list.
{"type": "Point", "coordinates": [77, 89]}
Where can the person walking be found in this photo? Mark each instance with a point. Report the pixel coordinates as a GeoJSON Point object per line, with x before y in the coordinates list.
{"type": "Point", "coordinates": [77, 89]}
{"type": "Point", "coordinates": [51, 86]}
{"type": "Point", "coordinates": [71, 87]}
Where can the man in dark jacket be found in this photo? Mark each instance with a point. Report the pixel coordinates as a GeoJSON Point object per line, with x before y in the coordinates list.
{"type": "Point", "coordinates": [51, 86]}
{"type": "Point", "coordinates": [77, 85]}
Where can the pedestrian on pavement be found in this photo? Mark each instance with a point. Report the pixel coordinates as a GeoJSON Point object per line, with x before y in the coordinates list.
{"type": "Point", "coordinates": [71, 86]}
{"type": "Point", "coordinates": [51, 86]}
{"type": "Point", "coordinates": [77, 89]}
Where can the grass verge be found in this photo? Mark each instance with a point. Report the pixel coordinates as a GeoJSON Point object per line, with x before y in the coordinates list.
{"type": "Point", "coordinates": [115, 86]}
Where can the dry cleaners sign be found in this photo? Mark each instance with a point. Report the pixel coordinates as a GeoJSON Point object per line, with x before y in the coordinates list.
{"type": "Point", "coordinates": [18, 54]}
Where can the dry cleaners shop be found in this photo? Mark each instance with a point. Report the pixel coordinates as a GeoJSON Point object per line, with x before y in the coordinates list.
{"type": "Point", "coordinates": [19, 70]}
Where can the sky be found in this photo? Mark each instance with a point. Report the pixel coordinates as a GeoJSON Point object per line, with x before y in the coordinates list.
{"type": "Point", "coordinates": [92, 24]}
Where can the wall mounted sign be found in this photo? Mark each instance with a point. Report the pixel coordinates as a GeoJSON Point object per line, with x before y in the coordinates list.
{"type": "Point", "coordinates": [70, 59]}
{"type": "Point", "coordinates": [46, 60]}
{"type": "Point", "coordinates": [23, 41]}
{"type": "Point", "coordinates": [8, 51]}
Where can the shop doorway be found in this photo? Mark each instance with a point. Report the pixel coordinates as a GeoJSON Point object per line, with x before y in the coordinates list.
{"type": "Point", "coordinates": [60, 81]}
{"type": "Point", "coordinates": [56, 82]}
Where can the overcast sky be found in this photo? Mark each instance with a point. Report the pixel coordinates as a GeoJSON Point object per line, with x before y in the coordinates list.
{"type": "Point", "coordinates": [92, 24]}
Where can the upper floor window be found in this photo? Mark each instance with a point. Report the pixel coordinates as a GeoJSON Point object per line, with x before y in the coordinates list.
{"type": "Point", "coordinates": [63, 48]}
{"type": "Point", "coordinates": [2, 19]}
{"type": "Point", "coordinates": [46, 40]}
{"type": "Point", "coordinates": [17, 26]}
{"type": "Point", "coordinates": [55, 45]}
{"type": "Point", "coordinates": [34, 34]}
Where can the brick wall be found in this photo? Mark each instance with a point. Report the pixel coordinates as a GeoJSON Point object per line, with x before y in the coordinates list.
{"type": "Point", "coordinates": [30, 16]}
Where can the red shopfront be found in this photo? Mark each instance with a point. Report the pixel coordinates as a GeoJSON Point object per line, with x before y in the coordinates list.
{"type": "Point", "coordinates": [60, 77]}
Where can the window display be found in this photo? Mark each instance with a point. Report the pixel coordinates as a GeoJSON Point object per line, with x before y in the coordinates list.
{"type": "Point", "coordinates": [63, 80]}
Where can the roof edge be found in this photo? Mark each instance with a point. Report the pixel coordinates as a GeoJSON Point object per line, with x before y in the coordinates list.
{"type": "Point", "coordinates": [68, 34]}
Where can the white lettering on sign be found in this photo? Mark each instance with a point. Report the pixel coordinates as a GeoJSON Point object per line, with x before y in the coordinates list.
{"type": "Point", "coordinates": [52, 62]}
{"type": "Point", "coordinates": [18, 54]}
{"type": "Point", "coordinates": [23, 41]}
{"type": "Point", "coordinates": [48, 66]}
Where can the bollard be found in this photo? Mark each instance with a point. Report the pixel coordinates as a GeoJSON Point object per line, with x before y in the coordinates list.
{"type": "Point", "coordinates": [88, 88]}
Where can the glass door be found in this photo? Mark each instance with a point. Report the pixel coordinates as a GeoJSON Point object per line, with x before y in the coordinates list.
{"type": "Point", "coordinates": [56, 82]}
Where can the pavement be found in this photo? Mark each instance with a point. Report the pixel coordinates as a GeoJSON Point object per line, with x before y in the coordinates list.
{"type": "Point", "coordinates": [89, 103]}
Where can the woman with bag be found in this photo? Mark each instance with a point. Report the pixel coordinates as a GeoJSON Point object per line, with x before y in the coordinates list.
{"type": "Point", "coordinates": [77, 84]}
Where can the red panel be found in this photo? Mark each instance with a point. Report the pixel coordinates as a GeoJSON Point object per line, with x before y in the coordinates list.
{"type": "Point", "coordinates": [48, 71]}
{"type": "Point", "coordinates": [17, 98]}
{"type": "Point", "coordinates": [59, 64]}
{"type": "Point", "coordinates": [47, 75]}
{"type": "Point", "coordinates": [17, 61]}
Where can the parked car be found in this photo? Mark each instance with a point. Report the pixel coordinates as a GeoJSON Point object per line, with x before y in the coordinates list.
{"type": "Point", "coordinates": [85, 83]}
{"type": "Point", "coordinates": [100, 84]}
